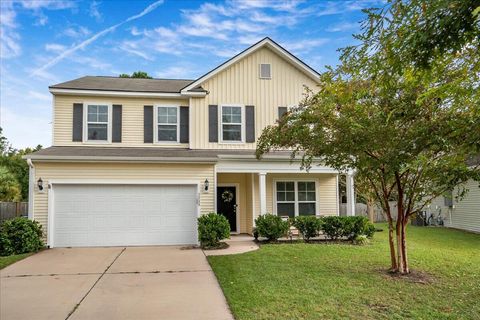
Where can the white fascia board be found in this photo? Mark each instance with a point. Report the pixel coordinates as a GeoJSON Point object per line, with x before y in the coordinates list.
{"type": "Point", "coordinates": [40, 158]}
{"type": "Point", "coordinates": [117, 93]}
{"type": "Point", "coordinates": [268, 166]}
{"type": "Point", "coordinates": [266, 42]}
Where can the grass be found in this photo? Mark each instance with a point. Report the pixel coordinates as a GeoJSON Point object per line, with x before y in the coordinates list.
{"type": "Point", "coordinates": [341, 281]}
{"type": "Point", "coordinates": [8, 260]}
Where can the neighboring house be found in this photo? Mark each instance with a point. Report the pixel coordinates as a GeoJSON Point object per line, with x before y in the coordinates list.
{"type": "Point", "coordinates": [136, 161]}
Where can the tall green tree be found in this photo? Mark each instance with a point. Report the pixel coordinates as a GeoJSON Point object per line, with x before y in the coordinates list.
{"type": "Point", "coordinates": [10, 189]}
{"type": "Point", "coordinates": [136, 74]}
{"type": "Point", "coordinates": [406, 126]}
{"type": "Point", "coordinates": [11, 160]}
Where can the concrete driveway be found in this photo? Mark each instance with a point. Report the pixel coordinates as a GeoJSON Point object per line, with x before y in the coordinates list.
{"type": "Point", "coordinates": [112, 283]}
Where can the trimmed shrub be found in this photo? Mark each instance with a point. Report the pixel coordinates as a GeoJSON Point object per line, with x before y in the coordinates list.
{"type": "Point", "coordinates": [336, 227]}
{"type": "Point", "coordinates": [358, 226]}
{"type": "Point", "coordinates": [212, 228]}
{"type": "Point", "coordinates": [20, 235]}
{"type": "Point", "coordinates": [308, 226]}
{"type": "Point", "coordinates": [271, 227]}
{"type": "Point", "coordinates": [333, 226]}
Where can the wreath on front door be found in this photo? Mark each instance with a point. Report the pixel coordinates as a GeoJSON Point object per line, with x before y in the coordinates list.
{"type": "Point", "coordinates": [227, 196]}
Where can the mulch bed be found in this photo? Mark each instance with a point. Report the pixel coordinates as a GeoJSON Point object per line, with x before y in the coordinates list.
{"type": "Point", "coordinates": [414, 276]}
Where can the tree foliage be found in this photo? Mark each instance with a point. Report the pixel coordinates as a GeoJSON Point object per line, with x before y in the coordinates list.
{"type": "Point", "coordinates": [14, 166]}
{"type": "Point", "coordinates": [136, 74]}
{"type": "Point", "coordinates": [405, 123]}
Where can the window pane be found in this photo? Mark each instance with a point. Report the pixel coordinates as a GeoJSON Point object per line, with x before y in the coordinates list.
{"type": "Point", "coordinates": [286, 209]}
{"type": "Point", "coordinates": [290, 196]}
{"type": "Point", "coordinates": [290, 186]}
{"type": "Point", "coordinates": [102, 117]}
{"type": "Point", "coordinates": [162, 119]}
{"type": "Point", "coordinates": [167, 133]}
{"type": "Point", "coordinates": [302, 186]}
{"type": "Point", "coordinates": [172, 111]}
{"type": "Point", "coordinates": [97, 132]}
{"type": "Point", "coordinates": [92, 117]}
{"type": "Point", "coordinates": [306, 209]}
{"type": "Point", "coordinates": [310, 196]}
{"type": "Point", "coordinates": [162, 111]}
{"type": "Point", "coordinates": [232, 114]}
{"type": "Point", "coordinates": [103, 109]}
{"type": "Point", "coordinates": [280, 196]}
{"type": "Point", "coordinates": [232, 132]}
{"type": "Point", "coordinates": [310, 186]}
{"type": "Point", "coordinates": [280, 186]}
{"type": "Point", "coordinates": [92, 109]}
{"type": "Point", "coordinates": [302, 196]}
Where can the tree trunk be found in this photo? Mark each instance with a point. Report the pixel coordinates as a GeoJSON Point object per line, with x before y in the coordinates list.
{"type": "Point", "coordinates": [406, 268]}
{"type": "Point", "coordinates": [393, 258]}
{"type": "Point", "coordinates": [370, 209]}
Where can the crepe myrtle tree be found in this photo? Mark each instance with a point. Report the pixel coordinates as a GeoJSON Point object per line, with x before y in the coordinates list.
{"type": "Point", "coordinates": [406, 129]}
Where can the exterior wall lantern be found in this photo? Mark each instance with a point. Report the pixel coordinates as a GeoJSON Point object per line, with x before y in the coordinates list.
{"type": "Point", "coordinates": [40, 184]}
{"type": "Point", "coordinates": [206, 184]}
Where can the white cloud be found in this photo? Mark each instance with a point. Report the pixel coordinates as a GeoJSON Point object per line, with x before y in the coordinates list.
{"type": "Point", "coordinates": [305, 45]}
{"type": "Point", "coordinates": [85, 43]}
{"type": "Point", "coordinates": [55, 47]}
{"type": "Point", "coordinates": [176, 72]}
{"type": "Point", "coordinates": [76, 32]}
{"type": "Point", "coordinates": [35, 95]}
{"type": "Point", "coordinates": [94, 12]}
{"type": "Point", "coordinates": [343, 26]}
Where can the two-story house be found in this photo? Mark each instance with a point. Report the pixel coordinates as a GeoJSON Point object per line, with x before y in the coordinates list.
{"type": "Point", "coordinates": [136, 161]}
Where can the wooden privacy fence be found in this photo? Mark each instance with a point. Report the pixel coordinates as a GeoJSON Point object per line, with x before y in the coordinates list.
{"type": "Point", "coordinates": [361, 210]}
{"type": "Point", "coordinates": [13, 209]}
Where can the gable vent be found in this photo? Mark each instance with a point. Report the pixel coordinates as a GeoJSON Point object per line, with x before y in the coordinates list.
{"type": "Point", "coordinates": [265, 71]}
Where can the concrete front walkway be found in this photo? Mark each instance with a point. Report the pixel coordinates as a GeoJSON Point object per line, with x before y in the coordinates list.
{"type": "Point", "coordinates": [112, 283]}
{"type": "Point", "coordinates": [237, 244]}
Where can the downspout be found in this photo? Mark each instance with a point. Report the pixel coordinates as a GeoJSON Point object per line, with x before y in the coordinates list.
{"type": "Point", "coordinates": [31, 186]}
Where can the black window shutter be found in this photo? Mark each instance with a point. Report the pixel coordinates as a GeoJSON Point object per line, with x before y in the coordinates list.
{"type": "Point", "coordinates": [148, 124]}
{"type": "Point", "coordinates": [213, 123]}
{"type": "Point", "coordinates": [250, 124]}
{"type": "Point", "coordinates": [282, 111]}
{"type": "Point", "coordinates": [77, 128]}
{"type": "Point", "coordinates": [184, 125]}
{"type": "Point", "coordinates": [117, 123]}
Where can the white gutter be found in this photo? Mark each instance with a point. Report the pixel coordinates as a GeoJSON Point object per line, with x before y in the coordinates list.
{"type": "Point", "coordinates": [107, 93]}
{"type": "Point", "coordinates": [31, 187]}
{"type": "Point", "coordinates": [123, 159]}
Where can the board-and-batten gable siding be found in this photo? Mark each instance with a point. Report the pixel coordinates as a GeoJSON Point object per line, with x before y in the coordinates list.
{"type": "Point", "coordinates": [240, 84]}
{"type": "Point", "coordinates": [119, 171]}
{"type": "Point", "coordinates": [466, 214]}
{"type": "Point", "coordinates": [132, 119]}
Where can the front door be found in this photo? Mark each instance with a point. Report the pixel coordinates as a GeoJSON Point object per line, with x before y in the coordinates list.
{"type": "Point", "coordinates": [227, 205]}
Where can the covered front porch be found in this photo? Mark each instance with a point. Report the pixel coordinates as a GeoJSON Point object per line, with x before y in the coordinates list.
{"type": "Point", "coordinates": [246, 188]}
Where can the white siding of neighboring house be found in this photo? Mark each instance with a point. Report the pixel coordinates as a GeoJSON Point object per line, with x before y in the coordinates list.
{"type": "Point", "coordinates": [466, 214]}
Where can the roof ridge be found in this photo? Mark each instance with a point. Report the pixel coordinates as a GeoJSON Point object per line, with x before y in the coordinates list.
{"type": "Point", "coordinates": [116, 77]}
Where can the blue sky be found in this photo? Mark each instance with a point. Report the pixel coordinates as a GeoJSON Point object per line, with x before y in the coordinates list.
{"type": "Point", "coordinates": [44, 42]}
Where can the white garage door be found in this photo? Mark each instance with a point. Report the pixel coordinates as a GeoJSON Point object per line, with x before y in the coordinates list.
{"type": "Point", "coordinates": [118, 215]}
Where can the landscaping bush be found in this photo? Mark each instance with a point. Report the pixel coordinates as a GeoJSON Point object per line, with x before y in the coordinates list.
{"type": "Point", "coordinates": [212, 228]}
{"type": "Point", "coordinates": [308, 226]}
{"type": "Point", "coordinates": [359, 226]}
{"type": "Point", "coordinates": [336, 227]}
{"type": "Point", "coordinates": [333, 226]}
{"type": "Point", "coordinates": [271, 226]}
{"type": "Point", "coordinates": [20, 235]}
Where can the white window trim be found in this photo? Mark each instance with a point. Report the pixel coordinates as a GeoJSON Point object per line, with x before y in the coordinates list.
{"type": "Point", "coordinates": [85, 123]}
{"type": "Point", "coordinates": [242, 125]}
{"type": "Point", "coordinates": [155, 131]}
{"type": "Point", "coordinates": [295, 181]}
{"type": "Point", "coordinates": [260, 71]}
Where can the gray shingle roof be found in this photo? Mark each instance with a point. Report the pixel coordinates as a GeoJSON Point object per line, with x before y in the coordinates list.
{"type": "Point", "coordinates": [125, 84]}
{"type": "Point", "coordinates": [139, 153]}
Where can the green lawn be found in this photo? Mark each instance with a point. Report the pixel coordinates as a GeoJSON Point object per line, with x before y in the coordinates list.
{"type": "Point", "coordinates": [340, 281]}
{"type": "Point", "coordinates": [8, 260]}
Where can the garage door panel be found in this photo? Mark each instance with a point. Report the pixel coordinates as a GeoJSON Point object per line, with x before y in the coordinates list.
{"type": "Point", "coordinates": [115, 215]}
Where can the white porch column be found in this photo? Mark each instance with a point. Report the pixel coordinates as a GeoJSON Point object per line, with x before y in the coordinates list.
{"type": "Point", "coordinates": [350, 195]}
{"type": "Point", "coordinates": [263, 192]}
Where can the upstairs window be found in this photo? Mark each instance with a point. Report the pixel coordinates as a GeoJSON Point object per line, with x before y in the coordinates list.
{"type": "Point", "coordinates": [167, 124]}
{"type": "Point", "coordinates": [265, 71]}
{"type": "Point", "coordinates": [98, 122]}
{"type": "Point", "coordinates": [232, 124]}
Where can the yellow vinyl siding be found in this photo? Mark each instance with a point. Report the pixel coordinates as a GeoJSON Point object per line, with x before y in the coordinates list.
{"type": "Point", "coordinates": [466, 214]}
{"type": "Point", "coordinates": [240, 84]}
{"type": "Point", "coordinates": [132, 119]}
{"type": "Point", "coordinates": [120, 171]}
